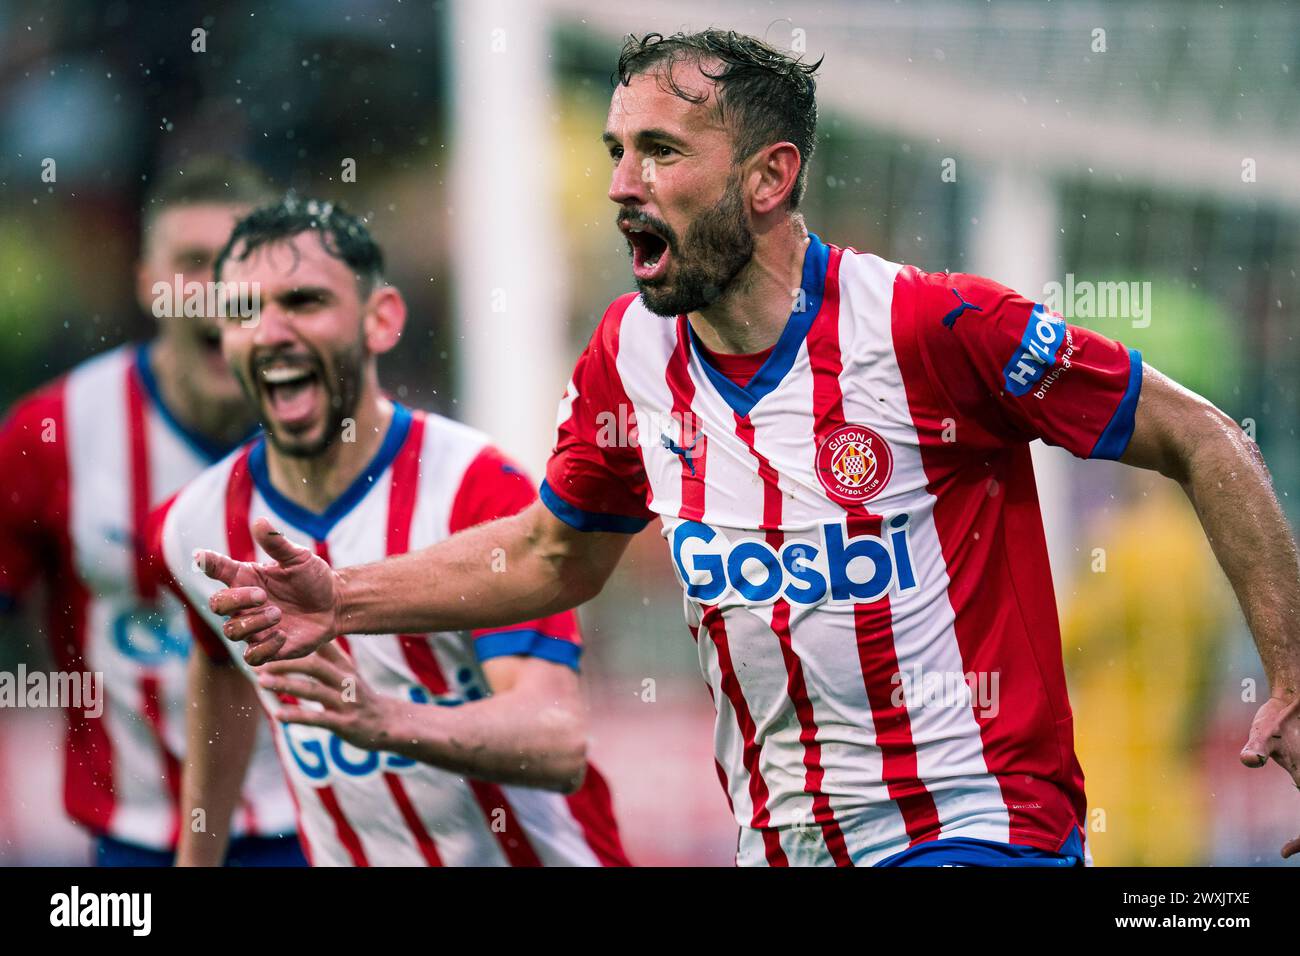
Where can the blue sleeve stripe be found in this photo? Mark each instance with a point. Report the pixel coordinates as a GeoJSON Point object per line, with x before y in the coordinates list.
{"type": "Point", "coordinates": [528, 643]}
{"type": "Point", "coordinates": [587, 520]}
{"type": "Point", "coordinates": [1114, 440]}
{"type": "Point", "coordinates": [7, 602]}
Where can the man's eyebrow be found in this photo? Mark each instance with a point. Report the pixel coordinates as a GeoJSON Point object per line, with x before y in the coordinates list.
{"type": "Point", "coordinates": [303, 293]}
{"type": "Point", "coordinates": [653, 135]}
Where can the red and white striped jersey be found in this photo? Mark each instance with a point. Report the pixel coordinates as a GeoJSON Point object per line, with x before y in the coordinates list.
{"type": "Point", "coordinates": [82, 462]}
{"type": "Point", "coordinates": [430, 478]}
{"type": "Point", "coordinates": [857, 532]}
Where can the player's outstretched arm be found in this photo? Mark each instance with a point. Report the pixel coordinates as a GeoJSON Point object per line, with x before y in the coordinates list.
{"type": "Point", "coordinates": [220, 729]}
{"type": "Point", "coordinates": [1185, 438]}
{"type": "Point", "coordinates": [514, 569]}
{"type": "Point", "coordinates": [530, 732]}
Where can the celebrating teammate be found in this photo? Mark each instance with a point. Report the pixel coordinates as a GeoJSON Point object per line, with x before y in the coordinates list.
{"type": "Point", "coordinates": [837, 447]}
{"type": "Point", "coordinates": [450, 747]}
{"type": "Point", "coordinates": [82, 461]}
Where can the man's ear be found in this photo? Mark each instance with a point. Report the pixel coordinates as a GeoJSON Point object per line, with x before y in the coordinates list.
{"type": "Point", "coordinates": [773, 172]}
{"type": "Point", "coordinates": [385, 319]}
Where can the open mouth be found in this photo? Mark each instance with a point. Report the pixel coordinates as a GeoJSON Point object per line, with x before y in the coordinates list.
{"type": "Point", "coordinates": [650, 251]}
{"type": "Point", "coordinates": [293, 390]}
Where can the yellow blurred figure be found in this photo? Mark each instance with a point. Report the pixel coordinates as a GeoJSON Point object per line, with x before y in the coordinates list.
{"type": "Point", "coordinates": [1143, 634]}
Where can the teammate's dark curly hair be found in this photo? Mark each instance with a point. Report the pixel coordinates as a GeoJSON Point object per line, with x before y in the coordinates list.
{"type": "Point", "coordinates": [343, 235]}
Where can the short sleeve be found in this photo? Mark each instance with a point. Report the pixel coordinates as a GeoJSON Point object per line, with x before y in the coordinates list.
{"type": "Point", "coordinates": [1018, 369]}
{"type": "Point", "coordinates": [33, 477]}
{"type": "Point", "coordinates": [594, 480]}
{"type": "Point", "coordinates": [494, 487]}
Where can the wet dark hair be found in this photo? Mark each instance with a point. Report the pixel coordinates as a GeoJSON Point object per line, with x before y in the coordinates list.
{"type": "Point", "coordinates": [342, 235]}
{"type": "Point", "coordinates": [764, 95]}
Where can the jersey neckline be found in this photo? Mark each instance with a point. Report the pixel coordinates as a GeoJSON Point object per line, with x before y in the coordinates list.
{"type": "Point", "coordinates": [199, 443]}
{"type": "Point", "coordinates": [320, 524]}
{"type": "Point", "coordinates": [742, 399]}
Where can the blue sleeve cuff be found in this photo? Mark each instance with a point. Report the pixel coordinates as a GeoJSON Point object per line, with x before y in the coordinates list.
{"type": "Point", "coordinates": [587, 520]}
{"type": "Point", "coordinates": [528, 643]}
{"type": "Point", "coordinates": [1114, 440]}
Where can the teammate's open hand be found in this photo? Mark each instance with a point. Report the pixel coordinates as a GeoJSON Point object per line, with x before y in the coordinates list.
{"type": "Point", "coordinates": [351, 710]}
{"type": "Point", "coordinates": [282, 610]}
{"type": "Point", "coordinates": [1275, 732]}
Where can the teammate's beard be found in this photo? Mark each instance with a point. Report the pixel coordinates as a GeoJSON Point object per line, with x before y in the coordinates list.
{"type": "Point", "coordinates": [716, 247]}
{"type": "Point", "coordinates": [341, 380]}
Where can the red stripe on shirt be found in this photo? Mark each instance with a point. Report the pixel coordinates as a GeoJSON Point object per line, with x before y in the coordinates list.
{"type": "Point", "coordinates": [428, 849]}
{"type": "Point", "coordinates": [717, 764]}
{"type": "Point", "coordinates": [510, 834]}
{"type": "Point", "coordinates": [88, 789]}
{"type": "Point", "coordinates": [347, 836]}
{"type": "Point", "coordinates": [682, 388]}
{"type": "Point", "coordinates": [404, 487]}
{"type": "Point", "coordinates": [593, 808]}
{"type": "Point", "coordinates": [293, 792]}
{"type": "Point", "coordinates": [751, 752]}
{"type": "Point", "coordinates": [239, 501]}
{"type": "Point", "coordinates": [137, 426]}
{"type": "Point", "coordinates": [873, 623]}
{"type": "Point", "coordinates": [796, 687]}
{"type": "Point", "coordinates": [152, 709]}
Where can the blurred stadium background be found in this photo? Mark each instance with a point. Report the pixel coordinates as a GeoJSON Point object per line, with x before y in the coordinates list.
{"type": "Point", "coordinates": [1163, 150]}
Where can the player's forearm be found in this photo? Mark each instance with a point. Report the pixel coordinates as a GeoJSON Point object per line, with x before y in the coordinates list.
{"type": "Point", "coordinates": [220, 729]}
{"type": "Point", "coordinates": [1224, 475]}
{"type": "Point", "coordinates": [512, 738]}
{"type": "Point", "coordinates": [495, 574]}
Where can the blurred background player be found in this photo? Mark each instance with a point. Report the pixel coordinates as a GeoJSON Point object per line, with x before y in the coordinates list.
{"type": "Point", "coordinates": [82, 462]}
{"type": "Point", "coordinates": [837, 447]}
{"type": "Point", "coordinates": [463, 748]}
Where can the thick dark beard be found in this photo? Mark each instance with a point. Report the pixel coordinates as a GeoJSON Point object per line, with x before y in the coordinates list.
{"type": "Point", "coordinates": [342, 384]}
{"type": "Point", "coordinates": [716, 247]}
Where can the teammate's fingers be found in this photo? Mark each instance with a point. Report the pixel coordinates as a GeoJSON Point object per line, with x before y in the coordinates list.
{"type": "Point", "coordinates": [334, 654]}
{"type": "Point", "coordinates": [314, 665]}
{"type": "Point", "coordinates": [1252, 755]}
{"type": "Point", "coordinates": [302, 688]}
{"type": "Point", "coordinates": [276, 545]}
{"type": "Point", "coordinates": [1259, 745]}
{"type": "Point", "coordinates": [1292, 848]}
{"type": "Point", "coordinates": [264, 650]}
{"type": "Point", "coordinates": [217, 566]}
{"type": "Point", "coordinates": [230, 601]}
{"type": "Point", "coordinates": [245, 625]}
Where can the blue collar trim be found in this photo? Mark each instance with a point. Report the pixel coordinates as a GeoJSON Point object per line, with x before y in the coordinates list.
{"type": "Point", "coordinates": [742, 399]}
{"type": "Point", "coordinates": [201, 444]}
{"type": "Point", "coordinates": [320, 525]}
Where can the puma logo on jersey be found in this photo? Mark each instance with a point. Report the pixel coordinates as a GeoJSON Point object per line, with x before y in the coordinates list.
{"type": "Point", "coordinates": [686, 454]}
{"type": "Point", "coordinates": [950, 320]}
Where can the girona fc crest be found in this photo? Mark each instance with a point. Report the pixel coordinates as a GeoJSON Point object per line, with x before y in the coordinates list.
{"type": "Point", "coordinates": [854, 463]}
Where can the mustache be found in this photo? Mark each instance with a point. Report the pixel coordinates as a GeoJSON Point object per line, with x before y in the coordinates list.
{"type": "Point", "coordinates": [261, 360]}
{"type": "Point", "coordinates": [638, 217]}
